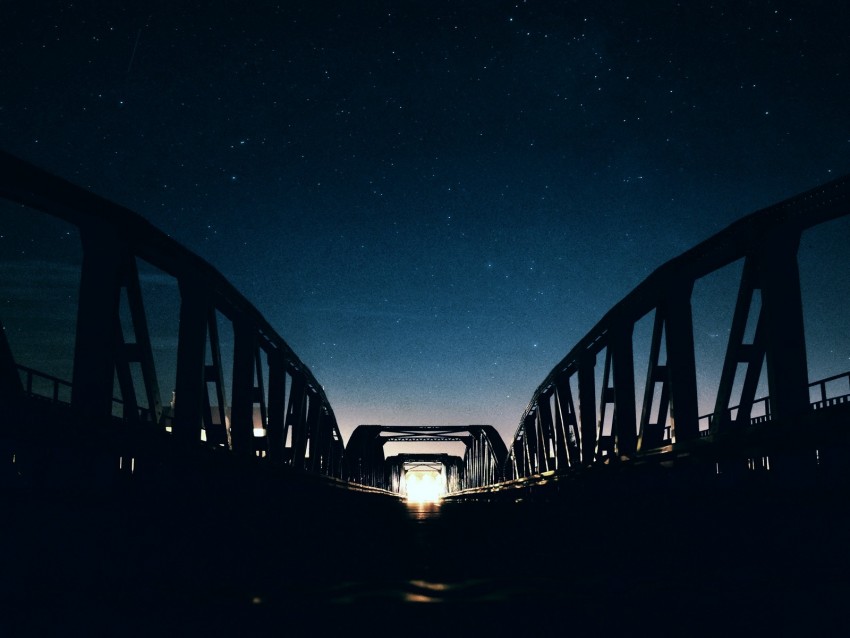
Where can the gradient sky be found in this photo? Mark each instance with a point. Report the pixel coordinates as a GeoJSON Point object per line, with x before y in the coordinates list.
{"type": "Point", "coordinates": [433, 201]}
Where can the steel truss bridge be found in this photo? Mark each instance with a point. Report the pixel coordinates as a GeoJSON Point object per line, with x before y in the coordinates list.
{"type": "Point", "coordinates": [297, 426]}
{"type": "Point", "coordinates": [232, 460]}
{"type": "Point", "coordinates": [571, 423]}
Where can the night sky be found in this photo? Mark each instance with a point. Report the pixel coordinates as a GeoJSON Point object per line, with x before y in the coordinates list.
{"type": "Point", "coordinates": [432, 202]}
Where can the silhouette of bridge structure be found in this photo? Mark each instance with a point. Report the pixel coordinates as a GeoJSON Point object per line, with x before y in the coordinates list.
{"type": "Point", "coordinates": [266, 437]}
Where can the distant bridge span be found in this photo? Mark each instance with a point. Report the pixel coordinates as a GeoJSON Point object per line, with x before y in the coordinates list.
{"type": "Point", "coordinates": [482, 463]}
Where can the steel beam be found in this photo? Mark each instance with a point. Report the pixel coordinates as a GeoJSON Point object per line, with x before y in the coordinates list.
{"type": "Point", "coordinates": [217, 433]}
{"type": "Point", "coordinates": [784, 338]}
{"type": "Point", "coordinates": [95, 345]}
{"type": "Point", "coordinates": [737, 351]}
{"type": "Point", "coordinates": [142, 350]}
{"type": "Point", "coordinates": [190, 395]}
{"type": "Point", "coordinates": [569, 451]}
{"type": "Point", "coordinates": [276, 427]}
{"type": "Point", "coordinates": [681, 364]}
{"type": "Point", "coordinates": [296, 420]}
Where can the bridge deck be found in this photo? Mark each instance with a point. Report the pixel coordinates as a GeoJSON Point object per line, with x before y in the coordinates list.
{"type": "Point", "coordinates": [239, 555]}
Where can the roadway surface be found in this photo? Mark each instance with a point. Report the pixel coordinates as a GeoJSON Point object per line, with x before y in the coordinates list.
{"type": "Point", "coordinates": [202, 557]}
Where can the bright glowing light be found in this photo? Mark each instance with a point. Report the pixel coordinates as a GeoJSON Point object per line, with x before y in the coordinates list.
{"type": "Point", "coordinates": [424, 487]}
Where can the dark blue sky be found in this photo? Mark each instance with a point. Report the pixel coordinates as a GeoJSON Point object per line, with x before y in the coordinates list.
{"type": "Point", "coordinates": [433, 201]}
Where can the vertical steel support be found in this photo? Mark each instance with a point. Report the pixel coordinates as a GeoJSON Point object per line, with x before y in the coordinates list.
{"type": "Point", "coordinates": [528, 433]}
{"type": "Point", "coordinates": [123, 356]}
{"type": "Point", "coordinates": [141, 351]}
{"type": "Point", "coordinates": [739, 352]}
{"type": "Point", "coordinates": [518, 459]}
{"type": "Point", "coordinates": [652, 432]}
{"type": "Point", "coordinates": [547, 429]}
{"type": "Point", "coordinates": [513, 465]}
{"type": "Point", "coordinates": [622, 360]}
{"type": "Point", "coordinates": [137, 351]}
{"type": "Point", "coordinates": [94, 350]}
{"type": "Point", "coordinates": [259, 391]}
{"type": "Point", "coordinates": [587, 406]}
{"type": "Point", "coordinates": [320, 448]}
{"type": "Point", "coordinates": [785, 345]}
{"type": "Point", "coordinates": [532, 443]}
{"type": "Point", "coordinates": [217, 433]}
{"type": "Point", "coordinates": [474, 465]}
{"type": "Point", "coordinates": [476, 444]}
{"type": "Point", "coordinates": [242, 409]}
{"type": "Point", "coordinates": [296, 420]}
{"type": "Point", "coordinates": [673, 320]}
{"type": "Point", "coordinates": [312, 447]}
{"type": "Point", "coordinates": [469, 456]}
{"type": "Point", "coordinates": [605, 444]}
{"type": "Point", "coordinates": [336, 452]}
{"type": "Point", "coordinates": [377, 463]}
{"type": "Point", "coordinates": [681, 365]}
{"type": "Point", "coordinates": [277, 407]}
{"type": "Point", "coordinates": [190, 386]}
{"type": "Point", "coordinates": [569, 451]}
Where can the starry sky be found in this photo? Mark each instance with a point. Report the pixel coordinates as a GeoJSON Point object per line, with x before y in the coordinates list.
{"type": "Point", "coordinates": [431, 201]}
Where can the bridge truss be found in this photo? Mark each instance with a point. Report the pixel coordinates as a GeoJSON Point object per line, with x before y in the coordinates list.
{"type": "Point", "coordinates": [277, 410]}
{"type": "Point", "coordinates": [572, 423]}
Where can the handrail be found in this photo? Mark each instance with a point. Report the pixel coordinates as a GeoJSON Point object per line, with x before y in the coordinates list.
{"type": "Point", "coordinates": [32, 373]}
{"type": "Point", "coordinates": [824, 401]}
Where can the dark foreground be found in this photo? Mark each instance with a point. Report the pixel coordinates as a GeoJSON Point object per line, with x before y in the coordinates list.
{"type": "Point", "coordinates": [193, 555]}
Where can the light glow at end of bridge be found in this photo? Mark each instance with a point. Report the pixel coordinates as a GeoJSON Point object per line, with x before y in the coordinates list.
{"type": "Point", "coordinates": [424, 487]}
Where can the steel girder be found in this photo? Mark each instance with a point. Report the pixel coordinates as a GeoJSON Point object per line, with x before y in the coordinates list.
{"type": "Point", "coordinates": [553, 435]}
{"type": "Point", "coordinates": [298, 425]}
{"type": "Point", "coordinates": [483, 459]}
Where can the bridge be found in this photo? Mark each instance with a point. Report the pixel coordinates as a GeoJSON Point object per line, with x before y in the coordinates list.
{"type": "Point", "coordinates": [613, 500]}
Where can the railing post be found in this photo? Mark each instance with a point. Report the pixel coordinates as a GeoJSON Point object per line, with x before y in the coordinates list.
{"type": "Point", "coordinates": [625, 422]}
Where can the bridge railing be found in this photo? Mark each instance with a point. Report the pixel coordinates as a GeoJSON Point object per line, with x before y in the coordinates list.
{"type": "Point", "coordinates": [58, 390]}
{"type": "Point", "coordinates": [825, 390]}
{"type": "Point", "coordinates": [824, 399]}
{"type": "Point", "coordinates": [46, 387]}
